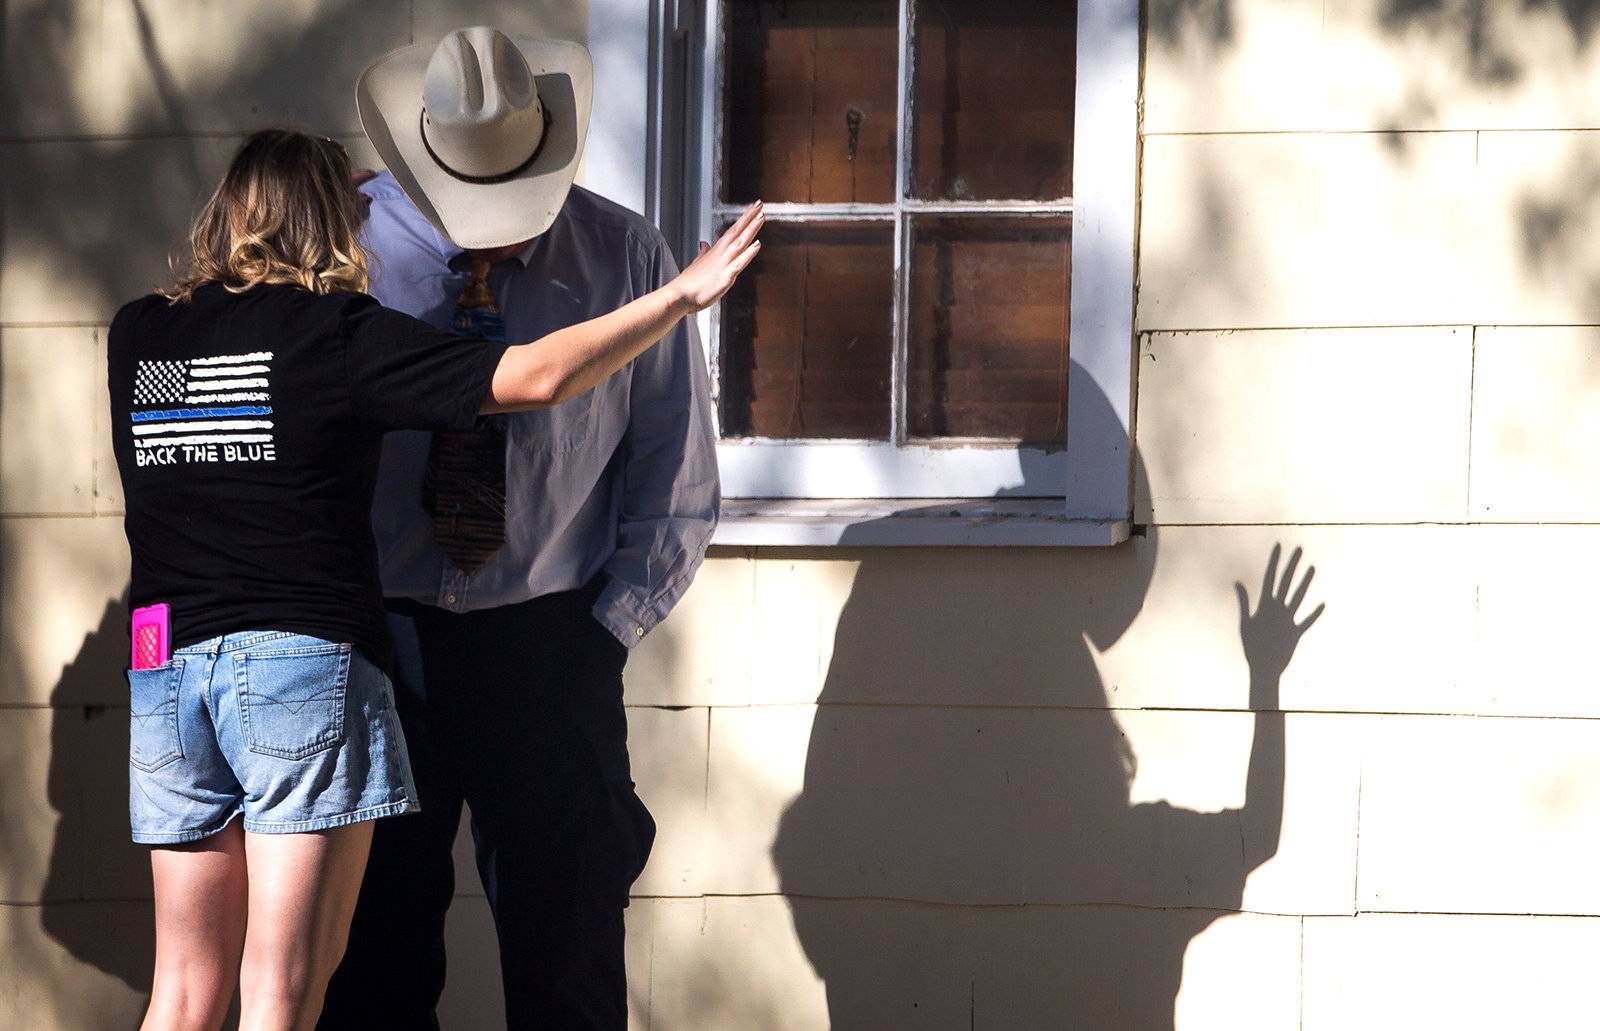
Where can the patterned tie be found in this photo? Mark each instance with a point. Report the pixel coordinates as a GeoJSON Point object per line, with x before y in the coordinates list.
{"type": "Point", "coordinates": [464, 484]}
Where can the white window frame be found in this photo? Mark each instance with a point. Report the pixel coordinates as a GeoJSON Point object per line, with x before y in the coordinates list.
{"type": "Point", "coordinates": [821, 491]}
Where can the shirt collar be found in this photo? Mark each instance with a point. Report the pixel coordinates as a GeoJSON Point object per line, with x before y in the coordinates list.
{"type": "Point", "coordinates": [455, 256]}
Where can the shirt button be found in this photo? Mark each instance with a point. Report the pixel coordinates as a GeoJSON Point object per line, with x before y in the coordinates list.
{"type": "Point", "coordinates": [638, 631]}
{"type": "Point", "coordinates": [450, 599]}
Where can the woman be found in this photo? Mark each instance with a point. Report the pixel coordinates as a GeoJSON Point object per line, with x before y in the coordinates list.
{"type": "Point", "coordinates": [248, 401]}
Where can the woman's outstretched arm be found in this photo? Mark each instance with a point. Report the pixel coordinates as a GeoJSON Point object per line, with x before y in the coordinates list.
{"type": "Point", "coordinates": [564, 364]}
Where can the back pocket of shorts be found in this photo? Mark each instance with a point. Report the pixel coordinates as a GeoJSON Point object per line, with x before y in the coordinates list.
{"type": "Point", "coordinates": [291, 701]}
{"type": "Point", "coordinates": [153, 716]}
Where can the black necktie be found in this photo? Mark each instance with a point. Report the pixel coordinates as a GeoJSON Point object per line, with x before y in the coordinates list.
{"type": "Point", "coordinates": [464, 484]}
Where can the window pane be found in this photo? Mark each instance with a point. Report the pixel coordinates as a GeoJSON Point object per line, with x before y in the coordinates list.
{"type": "Point", "coordinates": [987, 355]}
{"type": "Point", "coordinates": [992, 99]}
{"type": "Point", "coordinates": [806, 334]}
{"type": "Point", "coordinates": [810, 101]}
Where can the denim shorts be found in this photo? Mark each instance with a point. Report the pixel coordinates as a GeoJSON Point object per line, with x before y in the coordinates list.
{"type": "Point", "coordinates": [296, 733]}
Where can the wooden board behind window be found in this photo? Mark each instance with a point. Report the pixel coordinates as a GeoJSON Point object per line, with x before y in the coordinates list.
{"type": "Point", "coordinates": [987, 355]}
{"type": "Point", "coordinates": [993, 99]}
{"type": "Point", "coordinates": [797, 69]}
{"type": "Point", "coordinates": [807, 335]}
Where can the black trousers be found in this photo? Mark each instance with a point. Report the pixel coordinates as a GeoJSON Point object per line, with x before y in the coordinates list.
{"type": "Point", "coordinates": [517, 711]}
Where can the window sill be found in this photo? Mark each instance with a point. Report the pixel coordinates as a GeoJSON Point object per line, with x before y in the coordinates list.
{"type": "Point", "coordinates": [905, 522]}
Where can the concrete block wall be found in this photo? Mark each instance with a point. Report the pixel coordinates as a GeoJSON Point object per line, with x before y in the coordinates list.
{"type": "Point", "coordinates": [979, 788]}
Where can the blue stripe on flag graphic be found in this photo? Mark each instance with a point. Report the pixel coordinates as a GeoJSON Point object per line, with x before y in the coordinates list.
{"type": "Point", "coordinates": [201, 413]}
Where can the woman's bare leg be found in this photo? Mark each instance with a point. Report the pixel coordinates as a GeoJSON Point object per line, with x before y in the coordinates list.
{"type": "Point", "coordinates": [303, 890]}
{"type": "Point", "coordinates": [200, 916]}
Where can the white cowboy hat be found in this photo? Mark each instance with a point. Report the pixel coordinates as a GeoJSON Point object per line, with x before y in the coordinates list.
{"type": "Point", "coordinates": [483, 132]}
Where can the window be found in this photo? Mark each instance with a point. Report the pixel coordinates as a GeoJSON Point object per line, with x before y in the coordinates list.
{"type": "Point", "coordinates": [947, 266]}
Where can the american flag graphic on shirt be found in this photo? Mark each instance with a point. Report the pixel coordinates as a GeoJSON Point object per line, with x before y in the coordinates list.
{"type": "Point", "coordinates": [226, 399]}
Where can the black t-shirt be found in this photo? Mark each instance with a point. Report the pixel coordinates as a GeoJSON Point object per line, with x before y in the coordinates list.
{"type": "Point", "coordinates": [247, 429]}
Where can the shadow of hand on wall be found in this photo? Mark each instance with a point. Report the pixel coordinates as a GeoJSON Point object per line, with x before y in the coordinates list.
{"type": "Point", "coordinates": [1270, 634]}
{"type": "Point", "coordinates": [965, 849]}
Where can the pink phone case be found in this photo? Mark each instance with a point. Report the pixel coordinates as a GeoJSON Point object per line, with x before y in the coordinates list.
{"type": "Point", "coordinates": [152, 635]}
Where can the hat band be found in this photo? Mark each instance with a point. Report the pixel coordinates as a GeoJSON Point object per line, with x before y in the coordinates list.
{"type": "Point", "coordinates": [484, 180]}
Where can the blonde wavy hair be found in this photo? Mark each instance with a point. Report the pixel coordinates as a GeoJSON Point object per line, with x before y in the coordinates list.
{"type": "Point", "coordinates": [286, 212]}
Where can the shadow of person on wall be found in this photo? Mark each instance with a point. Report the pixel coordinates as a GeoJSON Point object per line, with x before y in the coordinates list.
{"type": "Point", "coordinates": [965, 845]}
{"type": "Point", "coordinates": [92, 856]}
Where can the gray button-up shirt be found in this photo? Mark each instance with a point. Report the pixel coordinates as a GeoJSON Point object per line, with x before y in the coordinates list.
{"type": "Point", "coordinates": [622, 479]}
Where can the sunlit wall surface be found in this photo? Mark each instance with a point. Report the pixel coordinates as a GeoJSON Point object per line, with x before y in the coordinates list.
{"type": "Point", "coordinates": [991, 788]}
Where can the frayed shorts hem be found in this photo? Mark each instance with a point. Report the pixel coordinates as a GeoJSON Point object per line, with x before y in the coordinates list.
{"type": "Point", "coordinates": [184, 837]}
{"type": "Point", "coordinates": [320, 823]}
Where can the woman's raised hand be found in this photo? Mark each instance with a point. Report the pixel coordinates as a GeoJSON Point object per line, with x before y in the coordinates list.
{"type": "Point", "coordinates": [712, 273]}
{"type": "Point", "coordinates": [563, 364]}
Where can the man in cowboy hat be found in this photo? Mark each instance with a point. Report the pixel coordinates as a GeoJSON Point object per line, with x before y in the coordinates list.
{"type": "Point", "coordinates": [521, 560]}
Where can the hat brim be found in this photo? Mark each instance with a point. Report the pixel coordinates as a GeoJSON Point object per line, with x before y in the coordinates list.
{"type": "Point", "coordinates": [481, 215]}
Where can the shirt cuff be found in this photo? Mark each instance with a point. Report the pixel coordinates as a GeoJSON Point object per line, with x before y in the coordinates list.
{"type": "Point", "coordinates": [617, 610]}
